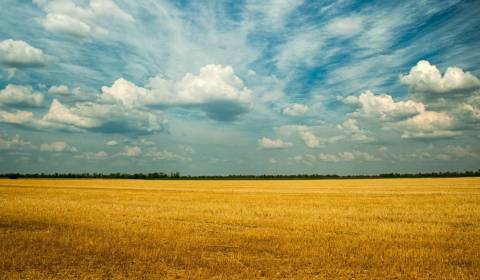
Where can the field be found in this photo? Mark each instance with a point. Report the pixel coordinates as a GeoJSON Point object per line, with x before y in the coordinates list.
{"type": "Point", "coordinates": [317, 229]}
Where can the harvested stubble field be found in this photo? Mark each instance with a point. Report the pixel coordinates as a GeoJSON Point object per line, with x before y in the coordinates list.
{"type": "Point", "coordinates": [312, 229]}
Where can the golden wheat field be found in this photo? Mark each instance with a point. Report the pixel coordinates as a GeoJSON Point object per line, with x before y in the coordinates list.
{"type": "Point", "coordinates": [312, 229]}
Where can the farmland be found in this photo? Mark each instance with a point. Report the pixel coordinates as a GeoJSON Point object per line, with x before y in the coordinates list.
{"type": "Point", "coordinates": [276, 229]}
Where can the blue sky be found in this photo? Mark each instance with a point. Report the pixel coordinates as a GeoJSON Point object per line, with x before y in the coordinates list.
{"type": "Point", "coordinates": [239, 87]}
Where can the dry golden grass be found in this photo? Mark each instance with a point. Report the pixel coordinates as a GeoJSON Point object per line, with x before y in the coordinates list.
{"type": "Point", "coordinates": [325, 229]}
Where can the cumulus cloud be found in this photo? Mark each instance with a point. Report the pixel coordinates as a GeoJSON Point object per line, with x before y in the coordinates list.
{"type": "Point", "coordinates": [309, 138]}
{"type": "Point", "coordinates": [20, 96]}
{"type": "Point", "coordinates": [267, 143]}
{"type": "Point", "coordinates": [132, 151]}
{"type": "Point", "coordinates": [13, 143]}
{"type": "Point", "coordinates": [19, 54]}
{"type": "Point", "coordinates": [347, 156]}
{"type": "Point", "coordinates": [58, 113]}
{"type": "Point", "coordinates": [125, 107]}
{"type": "Point", "coordinates": [410, 117]}
{"type": "Point", "coordinates": [60, 89]}
{"type": "Point", "coordinates": [216, 90]}
{"type": "Point", "coordinates": [126, 93]}
{"type": "Point", "coordinates": [328, 157]}
{"type": "Point", "coordinates": [351, 127]}
{"type": "Point", "coordinates": [156, 154]}
{"type": "Point", "coordinates": [458, 151]}
{"type": "Point", "coordinates": [449, 152]}
{"type": "Point", "coordinates": [65, 16]}
{"type": "Point", "coordinates": [58, 147]}
{"type": "Point", "coordinates": [113, 112]}
{"type": "Point", "coordinates": [295, 110]}
{"type": "Point", "coordinates": [105, 118]}
{"type": "Point", "coordinates": [429, 124]}
{"type": "Point", "coordinates": [305, 159]}
{"type": "Point", "coordinates": [384, 107]}
{"type": "Point", "coordinates": [112, 143]}
{"type": "Point", "coordinates": [469, 110]}
{"type": "Point", "coordinates": [427, 78]}
{"type": "Point", "coordinates": [18, 117]}
{"type": "Point", "coordinates": [430, 121]}
{"type": "Point", "coordinates": [306, 134]}
{"type": "Point", "coordinates": [28, 120]}
{"type": "Point", "coordinates": [455, 152]}
{"type": "Point", "coordinates": [102, 155]}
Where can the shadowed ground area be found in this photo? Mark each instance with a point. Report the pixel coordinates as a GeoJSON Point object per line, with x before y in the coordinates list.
{"type": "Point", "coordinates": [316, 229]}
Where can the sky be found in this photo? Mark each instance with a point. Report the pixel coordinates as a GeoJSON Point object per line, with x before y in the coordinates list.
{"type": "Point", "coordinates": [239, 87]}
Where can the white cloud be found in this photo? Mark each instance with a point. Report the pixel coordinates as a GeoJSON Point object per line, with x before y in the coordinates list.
{"type": "Point", "coordinates": [105, 117]}
{"type": "Point", "coordinates": [60, 89]}
{"type": "Point", "coordinates": [309, 138]}
{"type": "Point", "coordinates": [426, 78]}
{"type": "Point", "coordinates": [459, 151]}
{"type": "Point", "coordinates": [132, 151]}
{"type": "Point", "coordinates": [60, 114]}
{"type": "Point", "coordinates": [295, 110]}
{"type": "Point", "coordinates": [350, 126]}
{"type": "Point", "coordinates": [430, 121]}
{"type": "Point", "coordinates": [384, 107]}
{"type": "Point", "coordinates": [446, 153]}
{"type": "Point", "coordinates": [347, 26]}
{"type": "Point", "coordinates": [108, 8]}
{"type": "Point", "coordinates": [307, 159]}
{"type": "Point", "coordinates": [18, 117]}
{"type": "Point", "coordinates": [29, 120]}
{"type": "Point", "coordinates": [450, 104]}
{"type": "Point", "coordinates": [428, 125]}
{"type": "Point", "coordinates": [57, 147]}
{"type": "Point", "coordinates": [102, 115]}
{"type": "Point", "coordinates": [186, 149]}
{"type": "Point", "coordinates": [66, 24]}
{"type": "Point", "coordinates": [347, 156]}
{"type": "Point", "coordinates": [430, 135]}
{"type": "Point", "coordinates": [410, 117]}
{"type": "Point", "coordinates": [64, 16]}
{"type": "Point", "coordinates": [357, 155]}
{"type": "Point", "coordinates": [307, 135]}
{"type": "Point", "coordinates": [14, 143]}
{"type": "Point", "coordinates": [328, 157]}
{"type": "Point", "coordinates": [23, 96]}
{"type": "Point", "coordinates": [267, 143]}
{"type": "Point", "coordinates": [102, 155]}
{"type": "Point", "coordinates": [126, 93]}
{"type": "Point", "coordinates": [112, 143]}
{"type": "Point", "coordinates": [216, 90]}
{"type": "Point", "coordinates": [19, 54]}
{"type": "Point", "coordinates": [162, 155]}
{"type": "Point", "coordinates": [469, 111]}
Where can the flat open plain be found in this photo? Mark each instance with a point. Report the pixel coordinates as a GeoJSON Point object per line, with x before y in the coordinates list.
{"type": "Point", "coordinates": [298, 229]}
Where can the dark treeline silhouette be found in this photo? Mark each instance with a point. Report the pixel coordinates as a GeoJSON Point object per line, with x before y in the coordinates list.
{"type": "Point", "coordinates": [177, 176]}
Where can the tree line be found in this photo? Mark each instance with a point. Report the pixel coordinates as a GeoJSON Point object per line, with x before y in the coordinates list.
{"type": "Point", "coordinates": [176, 176]}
